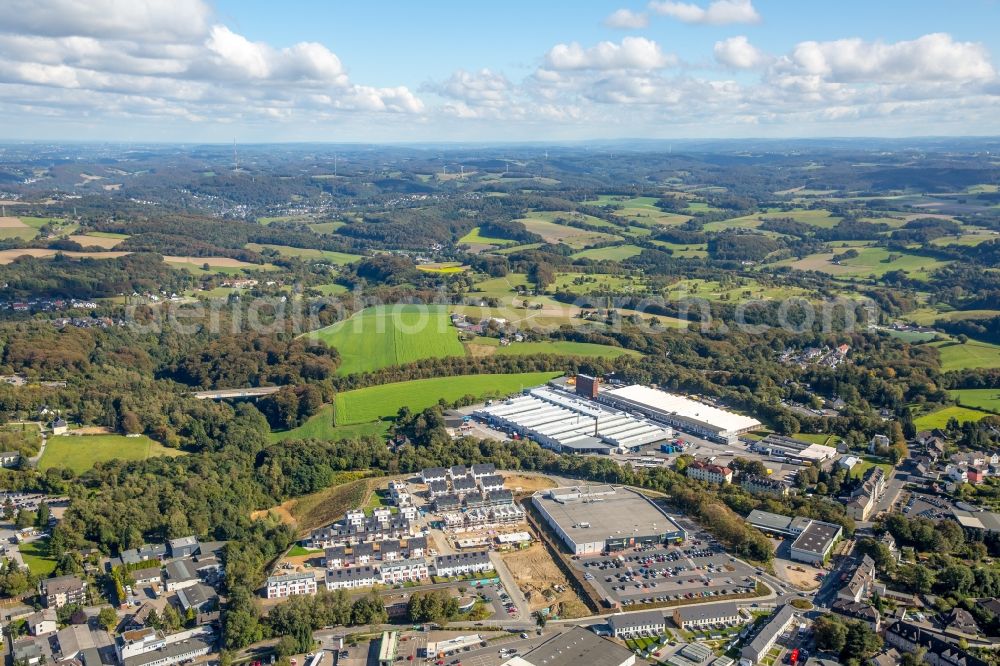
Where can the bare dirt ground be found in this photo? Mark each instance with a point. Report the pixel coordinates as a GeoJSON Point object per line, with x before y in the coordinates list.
{"type": "Point", "coordinates": [544, 586]}
{"type": "Point", "coordinates": [522, 483]}
{"type": "Point", "coordinates": [800, 576]}
{"type": "Point", "coordinates": [12, 223]}
{"type": "Point", "coordinates": [283, 511]}
{"type": "Point", "coordinates": [91, 430]}
{"type": "Point", "coordinates": [97, 241]}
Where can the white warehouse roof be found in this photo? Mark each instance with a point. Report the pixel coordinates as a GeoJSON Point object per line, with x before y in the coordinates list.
{"type": "Point", "coordinates": [684, 408]}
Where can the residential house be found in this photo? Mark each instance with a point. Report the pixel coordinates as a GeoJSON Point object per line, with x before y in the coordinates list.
{"type": "Point", "coordinates": [447, 502]}
{"type": "Point", "coordinates": [960, 621]}
{"type": "Point", "coordinates": [462, 564]}
{"type": "Point", "coordinates": [491, 482]}
{"type": "Point", "coordinates": [758, 485]}
{"type": "Point", "coordinates": [432, 474]}
{"type": "Point", "coordinates": [437, 489]}
{"type": "Point", "coordinates": [352, 578]}
{"type": "Point", "coordinates": [463, 485]}
{"type": "Point", "coordinates": [200, 597]}
{"type": "Point", "coordinates": [43, 622]}
{"type": "Point", "coordinates": [861, 583]}
{"type": "Point", "coordinates": [907, 637]}
{"type": "Point", "coordinates": [499, 497]}
{"type": "Point", "coordinates": [689, 617]}
{"type": "Point", "coordinates": [859, 610]}
{"type": "Point", "coordinates": [878, 442]}
{"type": "Point", "coordinates": [62, 590]}
{"type": "Point", "coordinates": [483, 469]}
{"type": "Point", "coordinates": [287, 585]}
{"type": "Point", "coordinates": [757, 649]}
{"type": "Point", "coordinates": [183, 547]}
{"type": "Point", "coordinates": [634, 624]}
{"type": "Point", "coordinates": [59, 427]}
{"type": "Point", "coordinates": [703, 471]}
{"type": "Point", "coordinates": [180, 574]}
{"type": "Point", "coordinates": [458, 472]}
{"type": "Point", "coordinates": [403, 571]}
{"type": "Point", "coordinates": [147, 576]}
{"type": "Point", "coordinates": [9, 458]}
{"type": "Point", "coordinates": [26, 651]}
{"type": "Point", "coordinates": [146, 553]}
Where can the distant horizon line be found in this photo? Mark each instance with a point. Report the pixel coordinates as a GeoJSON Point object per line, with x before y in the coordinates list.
{"type": "Point", "coordinates": [487, 143]}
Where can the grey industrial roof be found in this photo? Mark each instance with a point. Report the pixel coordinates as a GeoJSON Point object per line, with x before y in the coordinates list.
{"type": "Point", "coordinates": [575, 647]}
{"type": "Point", "coordinates": [172, 651]}
{"type": "Point", "coordinates": [768, 520]}
{"type": "Point", "coordinates": [817, 538]}
{"type": "Point", "coordinates": [610, 515]}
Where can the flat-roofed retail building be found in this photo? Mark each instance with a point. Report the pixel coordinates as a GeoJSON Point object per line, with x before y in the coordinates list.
{"type": "Point", "coordinates": [594, 519]}
{"type": "Point", "coordinates": [681, 412]}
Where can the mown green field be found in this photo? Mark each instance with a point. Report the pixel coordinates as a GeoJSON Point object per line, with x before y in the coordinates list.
{"type": "Point", "coordinates": [321, 427]}
{"type": "Point", "coordinates": [37, 557]}
{"type": "Point", "coordinates": [475, 238]}
{"type": "Point", "coordinates": [339, 258]}
{"type": "Point", "coordinates": [613, 253]}
{"type": "Point", "coordinates": [870, 261]}
{"type": "Point", "coordinates": [379, 402]}
{"type": "Point", "coordinates": [940, 418]}
{"type": "Point", "coordinates": [80, 452]}
{"type": "Point", "coordinates": [973, 354]}
{"type": "Point", "coordinates": [377, 338]}
{"type": "Point", "coordinates": [987, 399]}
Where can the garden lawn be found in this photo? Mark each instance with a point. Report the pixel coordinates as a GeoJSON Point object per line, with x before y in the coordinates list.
{"type": "Point", "coordinates": [37, 558]}
{"type": "Point", "coordinates": [379, 337]}
{"type": "Point", "coordinates": [80, 452]}
{"type": "Point", "coordinates": [383, 402]}
{"type": "Point", "coordinates": [940, 418]}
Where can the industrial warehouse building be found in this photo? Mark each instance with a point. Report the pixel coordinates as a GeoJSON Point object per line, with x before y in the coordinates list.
{"type": "Point", "coordinates": [813, 539]}
{"type": "Point", "coordinates": [595, 519]}
{"type": "Point", "coordinates": [571, 423]}
{"type": "Point", "coordinates": [689, 415]}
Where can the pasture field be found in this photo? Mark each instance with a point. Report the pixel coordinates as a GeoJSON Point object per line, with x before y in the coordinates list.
{"type": "Point", "coordinates": [331, 289]}
{"type": "Point", "coordinates": [969, 237]}
{"type": "Point", "coordinates": [483, 346]}
{"type": "Point", "coordinates": [13, 227]}
{"type": "Point", "coordinates": [503, 286]}
{"type": "Point", "coordinates": [940, 418]}
{"type": "Point", "coordinates": [973, 354]}
{"type": "Point", "coordinates": [475, 238]}
{"type": "Point", "coordinates": [927, 316]}
{"type": "Point", "coordinates": [870, 261]}
{"type": "Point", "coordinates": [578, 283]}
{"type": "Point", "coordinates": [987, 400]}
{"type": "Point", "coordinates": [379, 337]}
{"type": "Point", "coordinates": [560, 233]}
{"type": "Point", "coordinates": [612, 253]}
{"type": "Point", "coordinates": [692, 251]}
{"type": "Point", "coordinates": [383, 402]}
{"type": "Point", "coordinates": [817, 218]}
{"type": "Point", "coordinates": [339, 258]}
{"type": "Point", "coordinates": [326, 227]}
{"type": "Point", "coordinates": [563, 216]}
{"type": "Point", "coordinates": [745, 289]}
{"type": "Point", "coordinates": [320, 426]}
{"type": "Point", "coordinates": [80, 452]}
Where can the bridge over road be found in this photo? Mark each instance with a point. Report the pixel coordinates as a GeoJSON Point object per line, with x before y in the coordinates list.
{"type": "Point", "coordinates": [223, 394]}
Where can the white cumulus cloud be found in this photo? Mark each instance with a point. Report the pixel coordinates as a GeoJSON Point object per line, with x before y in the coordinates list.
{"type": "Point", "coordinates": [718, 12]}
{"type": "Point", "coordinates": [626, 19]}
{"type": "Point", "coordinates": [632, 53]}
{"type": "Point", "coordinates": [739, 53]}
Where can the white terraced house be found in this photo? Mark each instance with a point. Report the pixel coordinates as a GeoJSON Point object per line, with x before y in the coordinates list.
{"type": "Point", "coordinates": [289, 585]}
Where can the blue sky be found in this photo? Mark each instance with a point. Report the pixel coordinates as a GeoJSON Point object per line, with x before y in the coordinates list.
{"type": "Point", "coordinates": [195, 70]}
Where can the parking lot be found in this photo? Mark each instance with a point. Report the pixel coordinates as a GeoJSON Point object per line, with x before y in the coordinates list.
{"type": "Point", "coordinates": [918, 505]}
{"type": "Point", "coordinates": [658, 574]}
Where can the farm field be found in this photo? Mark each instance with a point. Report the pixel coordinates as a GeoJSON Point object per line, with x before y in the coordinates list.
{"type": "Point", "coordinates": [502, 286]}
{"type": "Point", "coordinates": [613, 253]}
{"type": "Point", "coordinates": [578, 283]}
{"type": "Point", "coordinates": [927, 316]}
{"type": "Point", "coordinates": [13, 227]}
{"type": "Point", "coordinates": [870, 261]}
{"type": "Point", "coordinates": [443, 268]}
{"type": "Point", "coordinates": [973, 354]}
{"type": "Point", "coordinates": [483, 346]}
{"type": "Point", "coordinates": [817, 218]}
{"type": "Point", "coordinates": [940, 418]}
{"type": "Point", "coordinates": [80, 452]}
{"type": "Point", "coordinates": [105, 242]}
{"type": "Point", "coordinates": [732, 291]}
{"type": "Point", "coordinates": [694, 250]}
{"type": "Point", "coordinates": [377, 338]}
{"type": "Point", "coordinates": [475, 238]}
{"type": "Point", "coordinates": [383, 402]}
{"type": "Point", "coordinates": [339, 258]}
{"type": "Point", "coordinates": [560, 233]}
{"type": "Point", "coordinates": [985, 399]}
{"type": "Point", "coordinates": [7, 256]}
{"type": "Point", "coordinates": [226, 265]}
